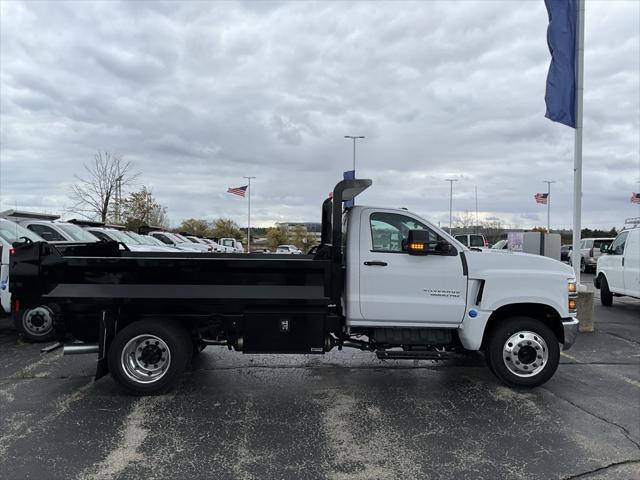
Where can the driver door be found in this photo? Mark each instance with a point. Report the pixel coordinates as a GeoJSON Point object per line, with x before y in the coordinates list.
{"type": "Point", "coordinates": [398, 289]}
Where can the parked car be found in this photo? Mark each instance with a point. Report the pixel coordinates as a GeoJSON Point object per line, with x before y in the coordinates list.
{"type": "Point", "coordinates": [33, 324]}
{"type": "Point", "coordinates": [288, 250]}
{"type": "Point", "coordinates": [179, 242]}
{"type": "Point", "coordinates": [132, 243]}
{"type": "Point", "coordinates": [214, 246]}
{"type": "Point", "coordinates": [151, 241]}
{"type": "Point", "coordinates": [59, 232]}
{"type": "Point", "coordinates": [472, 240]}
{"type": "Point", "coordinates": [565, 252]}
{"type": "Point", "coordinates": [618, 269]}
{"type": "Point", "coordinates": [590, 252]}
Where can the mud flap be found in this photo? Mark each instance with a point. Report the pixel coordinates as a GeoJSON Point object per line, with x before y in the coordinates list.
{"type": "Point", "coordinates": [107, 332]}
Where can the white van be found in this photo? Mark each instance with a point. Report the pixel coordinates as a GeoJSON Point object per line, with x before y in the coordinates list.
{"type": "Point", "coordinates": [618, 270]}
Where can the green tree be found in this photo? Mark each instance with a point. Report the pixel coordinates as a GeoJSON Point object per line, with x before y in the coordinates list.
{"type": "Point", "coordinates": [302, 238]}
{"type": "Point", "coordinates": [227, 228]}
{"type": "Point", "coordinates": [197, 226]}
{"type": "Point", "coordinates": [140, 208]}
{"type": "Point", "coordinates": [277, 236]}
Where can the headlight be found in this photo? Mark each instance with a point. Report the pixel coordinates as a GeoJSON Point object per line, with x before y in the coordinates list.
{"type": "Point", "coordinates": [572, 294]}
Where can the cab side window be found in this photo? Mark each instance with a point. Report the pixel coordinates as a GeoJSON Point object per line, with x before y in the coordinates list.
{"type": "Point", "coordinates": [617, 247]}
{"type": "Point", "coordinates": [48, 233]}
{"type": "Point", "coordinates": [389, 231]}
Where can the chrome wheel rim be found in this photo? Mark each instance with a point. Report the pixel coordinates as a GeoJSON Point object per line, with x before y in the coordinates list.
{"type": "Point", "coordinates": [525, 354]}
{"type": "Point", "coordinates": [145, 359]}
{"type": "Point", "coordinates": [38, 321]}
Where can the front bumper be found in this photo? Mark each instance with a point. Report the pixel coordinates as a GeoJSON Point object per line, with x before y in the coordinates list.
{"type": "Point", "coordinates": [570, 326]}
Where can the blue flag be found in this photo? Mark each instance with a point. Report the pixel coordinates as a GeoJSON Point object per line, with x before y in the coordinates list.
{"type": "Point", "coordinates": [560, 96]}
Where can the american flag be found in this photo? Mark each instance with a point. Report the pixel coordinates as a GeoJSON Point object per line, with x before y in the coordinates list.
{"type": "Point", "coordinates": [635, 197]}
{"type": "Point", "coordinates": [240, 191]}
{"type": "Point", "coordinates": [541, 198]}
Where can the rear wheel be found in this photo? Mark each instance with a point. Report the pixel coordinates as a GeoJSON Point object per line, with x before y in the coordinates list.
{"type": "Point", "coordinates": [606, 297]}
{"type": "Point", "coordinates": [148, 356]}
{"type": "Point", "coordinates": [523, 352]}
{"type": "Point", "coordinates": [35, 324]}
{"type": "Point", "coordinates": [583, 266]}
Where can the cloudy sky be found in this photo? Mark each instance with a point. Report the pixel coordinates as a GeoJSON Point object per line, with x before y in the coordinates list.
{"type": "Point", "coordinates": [199, 94]}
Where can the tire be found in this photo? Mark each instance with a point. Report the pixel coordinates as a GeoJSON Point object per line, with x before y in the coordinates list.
{"type": "Point", "coordinates": [536, 358]}
{"type": "Point", "coordinates": [606, 297]}
{"type": "Point", "coordinates": [35, 325]}
{"type": "Point", "coordinates": [583, 266]}
{"type": "Point", "coordinates": [148, 356]}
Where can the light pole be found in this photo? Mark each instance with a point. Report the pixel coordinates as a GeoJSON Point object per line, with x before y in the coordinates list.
{"type": "Point", "coordinates": [548, 182]}
{"type": "Point", "coordinates": [450, 180]}
{"type": "Point", "coordinates": [354, 138]}
{"type": "Point", "coordinates": [476, 229]}
{"type": "Point", "coordinates": [249, 214]}
{"type": "Point", "coordinates": [118, 195]}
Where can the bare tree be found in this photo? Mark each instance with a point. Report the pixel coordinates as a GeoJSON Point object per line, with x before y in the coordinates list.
{"type": "Point", "coordinates": [96, 192]}
{"type": "Point", "coordinates": [465, 220]}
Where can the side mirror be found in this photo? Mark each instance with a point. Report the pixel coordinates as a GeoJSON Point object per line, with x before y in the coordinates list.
{"type": "Point", "coordinates": [418, 242]}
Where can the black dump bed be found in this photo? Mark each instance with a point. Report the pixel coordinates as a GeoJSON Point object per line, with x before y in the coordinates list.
{"type": "Point", "coordinates": [103, 273]}
{"type": "Point", "coordinates": [217, 294]}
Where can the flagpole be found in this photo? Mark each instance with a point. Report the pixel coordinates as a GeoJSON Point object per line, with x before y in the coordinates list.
{"type": "Point", "coordinates": [577, 159]}
{"type": "Point", "coordinates": [249, 215]}
{"type": "Point", "coordinates": [548, 182]}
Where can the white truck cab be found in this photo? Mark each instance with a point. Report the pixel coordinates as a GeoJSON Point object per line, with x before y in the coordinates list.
{"type": "Point", "coordinates": [497, 301]}
{"type": "Point", "coordinates": [618, 269]}
{"type": "Point", "coordinates": [232, 244]}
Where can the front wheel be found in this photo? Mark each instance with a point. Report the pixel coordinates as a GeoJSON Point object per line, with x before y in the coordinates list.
{"type": "Point", "coordinates": [523, 352]}
{"type": "Point", "coordinates": [148, 356]}
{"type": "Point", "coordinates": [35, 324]}
{"type": "Point", "coordinates": [606, 297]}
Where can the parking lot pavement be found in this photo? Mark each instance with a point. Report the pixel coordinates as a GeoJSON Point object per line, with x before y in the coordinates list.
{"type": "Point", "coordinates": [345, 415]}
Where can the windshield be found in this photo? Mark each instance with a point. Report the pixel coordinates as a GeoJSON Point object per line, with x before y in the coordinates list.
{"type": "Point", "coordinates": [11, 232]}
{"type": "Point", "coordinates": [76, 233]}
{"type": "Point", "coordinates": [227, 242]}
{"type": "Point", "coordinates": [598, 243]}
{"type": "Point", "coordinates": [123, 237]}
{"type": "Point", "coordinates": [179, 238]}
{"type": "Point", "coordinates": [500, 244]}
{"type": "Point", "coordinates": [144, 239]}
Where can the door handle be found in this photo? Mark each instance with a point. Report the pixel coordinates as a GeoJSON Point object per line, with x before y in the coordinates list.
{"type": "Point", "coordinates": [376, 263]}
